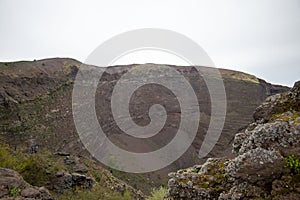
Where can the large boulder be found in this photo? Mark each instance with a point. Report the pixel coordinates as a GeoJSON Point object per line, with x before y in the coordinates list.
{"type": "Point", "coordinates": [257, 166]}
{"type": "Point", "coordinates": [65, 180]}
{"type": "Point", "coordinates": [279, 103]}
{"type": "Point", "coordinates": [12, 186]}
{"type": "Point", "coordinates": [278, 135]}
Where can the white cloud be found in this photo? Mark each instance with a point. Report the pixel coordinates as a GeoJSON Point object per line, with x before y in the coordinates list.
{"type": "Point", "coordinates": [252, 35]}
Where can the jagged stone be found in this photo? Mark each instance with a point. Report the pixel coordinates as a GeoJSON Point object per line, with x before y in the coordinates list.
{"type": "Point", "coordinates": [198, 182]}
{"type": "Point", "coordinates": [243, 191]}
{"type": "Point", "coordinates": [66, 180]}
{"type": "Point", "coordinates": [277, 135]}
{"type": "Point", "coordinates": [80, 168]}
{"type": "Point", "coordinates": [257, 166]}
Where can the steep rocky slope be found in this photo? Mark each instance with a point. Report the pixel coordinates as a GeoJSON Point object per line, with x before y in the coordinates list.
{"type": "Point", "coordinates": [36, 110]}
{"type": "Point", "coordinates": [266, 165]}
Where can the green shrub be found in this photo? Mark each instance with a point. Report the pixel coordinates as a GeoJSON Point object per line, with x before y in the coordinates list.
{"type": "Point", "coordinates": [97, 177]}
{"type": "Point", "coordinates": [34, 169]}
{"type": "Point", "coordinates": [158, 194]}
{"type": "Point", "coordinates": [13, 192]}
{"type": "Point", "coordinates": [7, 160]}
{"type": "Point", "coordinates": [292, 163]}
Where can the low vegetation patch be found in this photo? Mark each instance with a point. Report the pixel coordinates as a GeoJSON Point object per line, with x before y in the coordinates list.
{"type": "Point", "coordinates": [13, 192]}
{"type": "Point", "coordinates": [293, 163]}
{"type": "Point", "coordinates": [158, 194]}
{"type": "Point", "coordinates": [97, 193]}
{"type": "Point", "coordinates": [36, 169]}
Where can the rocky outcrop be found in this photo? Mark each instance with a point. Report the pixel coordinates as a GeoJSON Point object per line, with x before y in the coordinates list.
{"type": "Point", "coordinates": [13, 186]}
{"type": "Point", "coordinates": [265, 165]}
{"type": "Point", "coordinates": [65, 180]}
{"type": "Point", "coordinates": [199, 182]}
{"type": "Point", "coordinates": [279, 104]}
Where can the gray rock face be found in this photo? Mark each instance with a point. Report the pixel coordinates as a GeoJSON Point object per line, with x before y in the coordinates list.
{"type": "Point", "coordinates": [243, 191]}
{"type": "Point", "coordinates": [198, 182]}
{"type": "Point", "coordinates": [277, 135]}
{"type": "Point", "coordinates": [12, 185]}
{"type": "Point", "coordinates": [256, 166]}
{"type": "Point", "coordinates": [279, 104]}
{"type": "Point", "coordinates": [259, 169]}
{"type": "Point", "coordinates": [66, 180]}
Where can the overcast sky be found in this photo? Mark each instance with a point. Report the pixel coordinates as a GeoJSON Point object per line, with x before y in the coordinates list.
{"type": "Point", "coordinates": [261, 37]}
